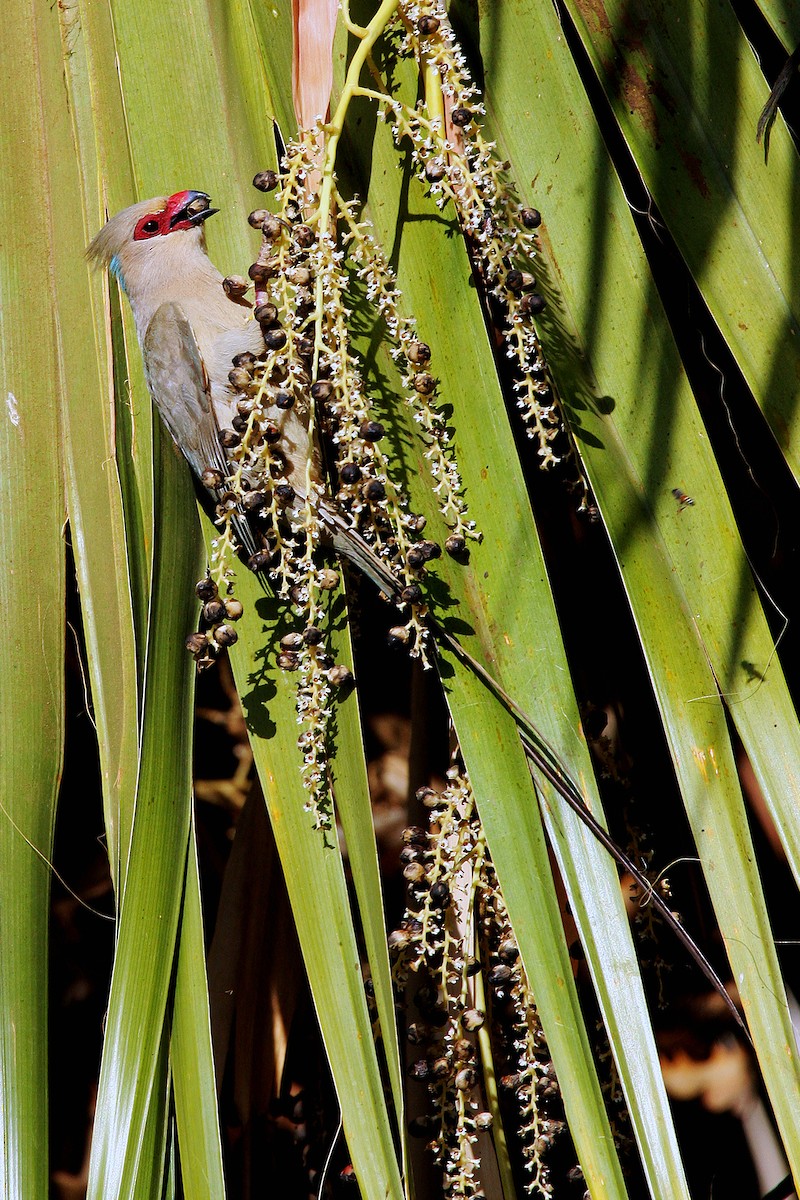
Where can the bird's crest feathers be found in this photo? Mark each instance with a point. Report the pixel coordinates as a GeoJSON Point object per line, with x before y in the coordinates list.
{"type": "Point", "coordinates": [117, 233]}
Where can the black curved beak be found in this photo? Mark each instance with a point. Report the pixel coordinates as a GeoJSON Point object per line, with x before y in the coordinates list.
{"type": "Point", "coordinates": [198, 217]}
{"type": "Point", "coordinates": [196, 210]}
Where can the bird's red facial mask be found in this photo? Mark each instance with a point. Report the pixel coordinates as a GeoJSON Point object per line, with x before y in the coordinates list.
{"type": "Point", "coordinates": [184, 210]}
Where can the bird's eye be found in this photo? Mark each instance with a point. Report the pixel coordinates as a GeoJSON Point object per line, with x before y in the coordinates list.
{"type": "Point", "coordinates": [148, 227]}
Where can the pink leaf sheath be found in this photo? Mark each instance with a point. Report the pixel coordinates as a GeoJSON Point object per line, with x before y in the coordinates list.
{"type": "Point", "coordinates": [313, 27]}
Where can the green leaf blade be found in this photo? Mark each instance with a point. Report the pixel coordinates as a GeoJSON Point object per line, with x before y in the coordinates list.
{"type": "Point", "coordinates": [191, 1052]}
{"type": "Point", "coordinates": [33, 589]}
{"type": "Point", "coordinates": [128, 1097]}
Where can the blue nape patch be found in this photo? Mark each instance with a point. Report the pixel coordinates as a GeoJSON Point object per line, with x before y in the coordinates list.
{"type": "Point", "coordinates": [116, 269]}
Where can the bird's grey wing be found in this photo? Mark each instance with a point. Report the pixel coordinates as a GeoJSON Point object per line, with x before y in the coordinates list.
{"type": "Point", "coordinates": [179, 385]}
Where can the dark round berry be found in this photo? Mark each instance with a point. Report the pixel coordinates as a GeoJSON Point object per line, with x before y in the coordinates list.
{"type": "Point", "coordinates": [328, 579]}
{"type": "Point", "coordinates": [374, 491]}
{"type": "Point", "coordinates": [415, 835]}
{"type": "Point", "coordinates": [424, 383]}
{"type": "Point", "coordinates": [455, 544]}
{"type": "Point", "coordinates": [371, 431]}
{"type": "Point", "coordinates": [508, 951]}
{"type": "Point", "coordinates": [259, 561]}
{"type": "Point", "coordinates": [265, 181]}
{"type": "Point", "coordinates": [266, 314]}
{"type": "Point", "coordinates": [415, 558]}
{"type": "Point", "coordinates": [274, 339]}
{"type": "Point", "coordinates": [234, 286]}
{"type": "Point", "coordinates": [284, 400]}
{"type": "Point", "coordinates": [440, 1068]}
{"type": "Point", "coordinates": [321, 389]}
{"type": "Point", "coordinates": [246, 360]}
{"type": "Point", "coordinates": [419, 353]}
{"type": "Point", "coordinates": [239, 423]}
{"type": "Point", "coordinates": [428, 25]}
{"type": "Point", "coordinates": [411, 594]}
{"type": "Point", "coordinates": [414, 872]}
{"type": "Point", "coordinates": [258, 217]}
{"type": "Point", "coordinates": [500, 975]}
{"type": "Point", "coordinates": [196, 643]}
{"type": "Point", "coordinates": [531, 217]}
{"type": "Point", "coordinates": [271, 227]}
{"type": "Point", "coordinates": [398, 939]}
{"type": "Point", "coordinates": [206, 589]}
{"type": "Point", "coordinates": [312, 636]}
{"type": "Point", "coordinates": [285, 493]}
{"type": "Point", "coordinates": [303, 236]}
{"type": "Point", "coordinates": [532, 304]}
{"type": "Point", "coordinates": [460, 117]}
{"type": "Point", "coordinates": [229, 438]}
{"type": "Point", "coordinates": [226, 635]}
{"type": "Point", "coordinates": [350, 472]}
{"type": "Point", "coordinates": [430, 550]}
{"type": "Point", "coordinates": [253, 501]}
{"type": "Point", "coordinates": [259, 272]}
{"type": "Point", "coordinates": [440, 894]}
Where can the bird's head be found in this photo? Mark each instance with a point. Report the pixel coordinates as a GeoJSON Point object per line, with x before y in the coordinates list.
{"type": "Point", "coordinates": [130, 237]}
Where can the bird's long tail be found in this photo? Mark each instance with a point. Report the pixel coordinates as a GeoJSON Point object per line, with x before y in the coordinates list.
{"type": "Point", "coordinates": [541, 756]}
{"type": "Point", "coordinates": [351, 545]}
